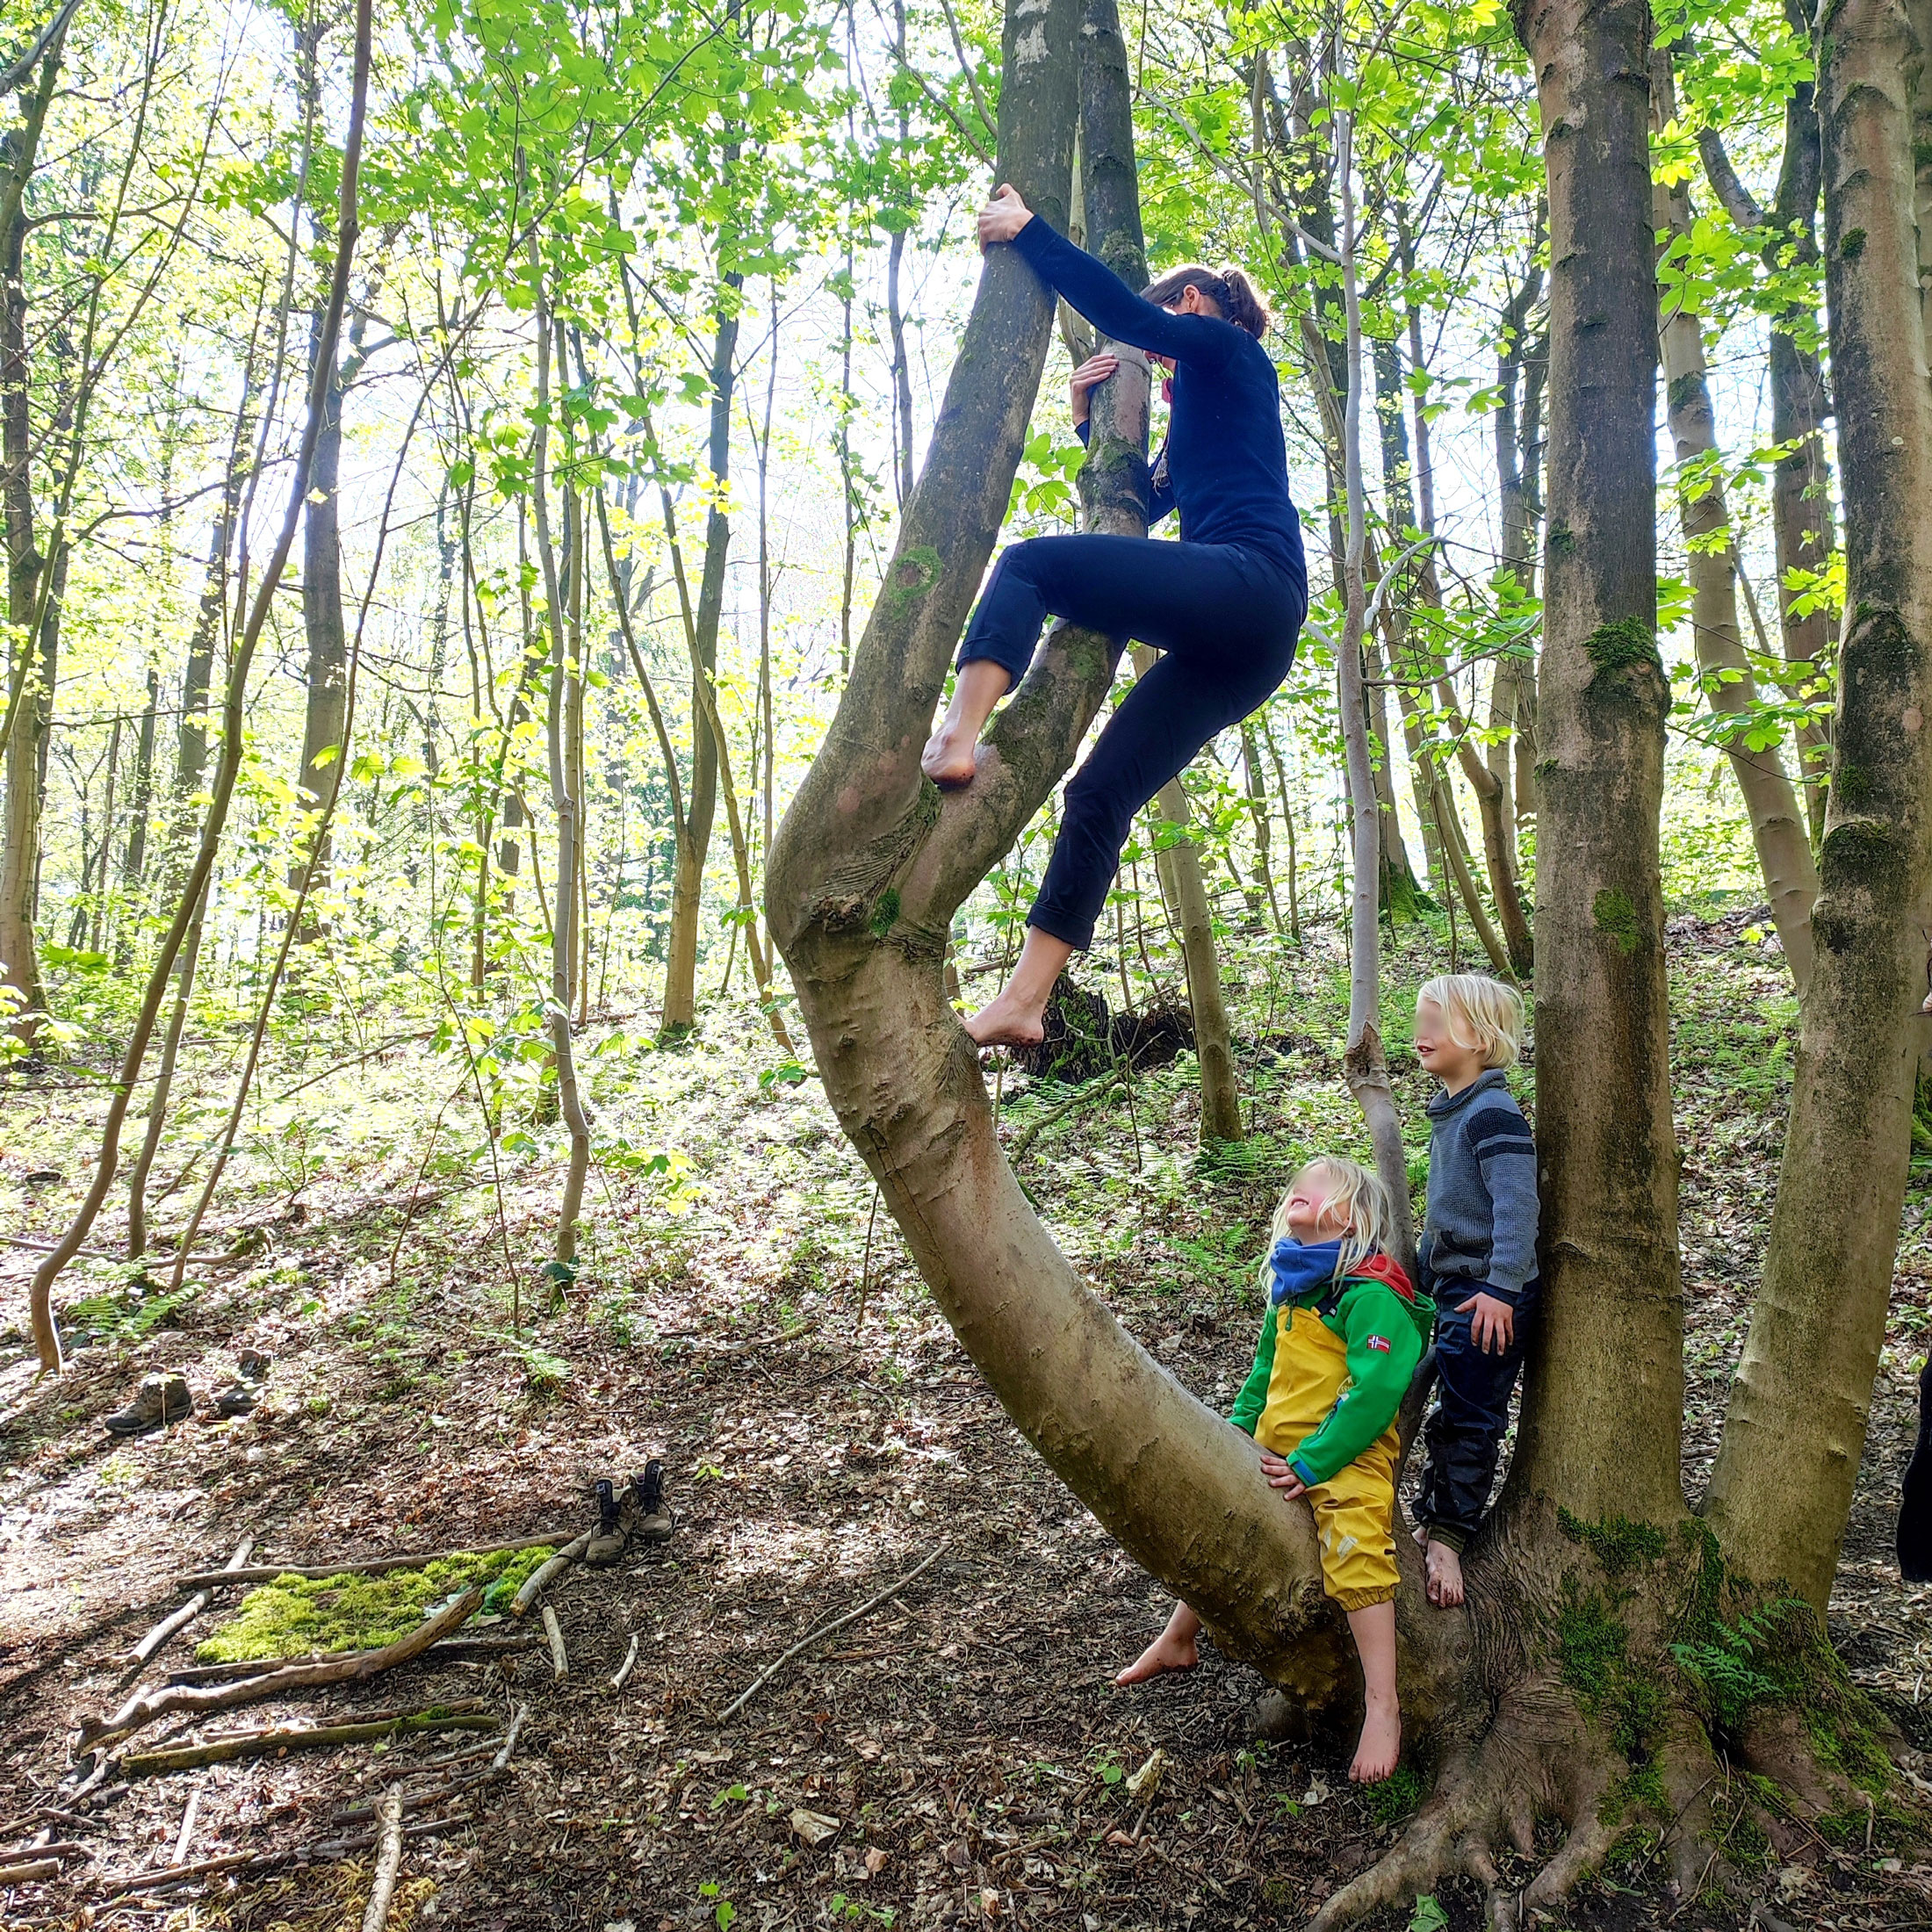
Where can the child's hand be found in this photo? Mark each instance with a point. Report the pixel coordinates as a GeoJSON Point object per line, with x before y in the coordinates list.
{"type": "Point", "coordinates": [1281, 1477]}
{"type": "Point", "coordinates": [1491, 1322]}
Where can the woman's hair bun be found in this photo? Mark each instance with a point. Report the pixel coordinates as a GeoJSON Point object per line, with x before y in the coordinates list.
{"type": "Point", "coordinates": [1230, 292]}
{"type": "Point", "coordinates": [1244, 307]}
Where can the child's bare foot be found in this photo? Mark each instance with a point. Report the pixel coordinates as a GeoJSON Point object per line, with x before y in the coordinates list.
{"type": "Point", "coordinates": [1167, 1652]}
{"type": "Point", "coordinates": [1445, 1570]}
{"type": "Point", "coordinates": [949, 758]}
{"type": "Point", "coordinates": [1007, 1022]}
{"type": "Point", "coordinates": [1381, 1747]}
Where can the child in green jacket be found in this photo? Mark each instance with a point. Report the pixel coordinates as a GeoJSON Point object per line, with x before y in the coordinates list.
{"type": "Point", "coordinates": [1342, 1334]}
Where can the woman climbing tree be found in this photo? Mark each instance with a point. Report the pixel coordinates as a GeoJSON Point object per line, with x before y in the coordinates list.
{"type": "Point", "coordinates": [1225, 604]}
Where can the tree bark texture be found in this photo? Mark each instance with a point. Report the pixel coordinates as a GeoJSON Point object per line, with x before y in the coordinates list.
{"type": "Point", "coordinates": [1796, 1427]}
{"type": "Point", "coordinates": [1770, 804]}
{"type": "Point", "coordinates": [1603, 1409]}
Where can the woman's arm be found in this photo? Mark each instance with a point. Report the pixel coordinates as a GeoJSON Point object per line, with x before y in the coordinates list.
{"type": "Point", "coordinates": [1097, 292]}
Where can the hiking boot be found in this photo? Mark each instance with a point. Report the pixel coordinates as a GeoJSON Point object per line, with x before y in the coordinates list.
{"type": "Point", "coordinates": [650, 1518]}
{"type": "Point", "coordinates": [160, 1400]}
{"type": "Point", "coordinates": [237, 1399]}
{"type": "Point", "coordinates": [607, 1545]}
{"type": "Point", "coordinates": [253, 1365]}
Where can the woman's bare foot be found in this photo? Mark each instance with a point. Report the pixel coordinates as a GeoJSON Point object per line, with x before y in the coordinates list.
{"type": "Point", "coordinates": [1007, 1022]}
{"type": "Point", "coordinates": [1444, 1571]}
{"type": "Point", "coordinates": [949, 758]}
{"type": "Point", "coordinates": [1169, 1651]}
{"type": "Point", "coordinates": [1381, 1747]}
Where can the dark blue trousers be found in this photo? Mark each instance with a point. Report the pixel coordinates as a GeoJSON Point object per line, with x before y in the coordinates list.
{"type": "Point", "coordinates": [1227, 618]}
{"type": "Point", "coordinates": [1463, 1436]}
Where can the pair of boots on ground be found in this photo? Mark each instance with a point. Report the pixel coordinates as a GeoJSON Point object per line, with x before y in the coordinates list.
{"type": "Point", "coordinates": [637, 1514]}
{"type": "Point", "coordinates": [163, 1399]}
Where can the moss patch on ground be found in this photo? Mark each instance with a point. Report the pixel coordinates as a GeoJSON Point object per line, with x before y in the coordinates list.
{"type": "Point", "coordinates": [296, 1615]}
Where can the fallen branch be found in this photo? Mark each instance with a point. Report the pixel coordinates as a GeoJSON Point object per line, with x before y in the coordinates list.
{"type": "Point", "coordinates": [65, 1848]}
{"type": "Point", "coordinates": [723, 1349]}
{"type": "Point", "coordinates": [145, 1706]}
{"type": "Point", "coordinates": [826, 1630]}
{"type": "Point", "coordinates": [26, 1875]}
{"type": "Point", "coordinates": [539, 1578]}
{"type": "Point", "coordinates": [227, 1750]}
{"type": "Point", "coordinates": [629, 1664]}
{"type": "Point", "coordinates": [382, 1887]}
{"type": "Point", "coordinates": [324, 1851]}
{"type": "Point", "coordinates": [559, 1659]}
{"type": "Point", "coordinates": [166, 1628]}
{"type": "Point", "coordinates": [1038, 1125]}
{"type": "Point", "coordinates": [372, 1566]}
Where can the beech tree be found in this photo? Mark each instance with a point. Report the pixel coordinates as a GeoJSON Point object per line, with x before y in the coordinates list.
{"type": "Point", "coordinates": [1568, 1685]}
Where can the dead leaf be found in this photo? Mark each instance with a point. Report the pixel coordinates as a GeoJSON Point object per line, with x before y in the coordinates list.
{"type": "Point", "coordinates": [875, 1861]}
{"type": "Point", "coordinates": [814, 1827]}
{"type": "Point", "coordinates": [990, 1904]}
{"type": "Point", "coordinates": [1146, 1781]}
{"type": "Point", "coordinates": [956, 1857]}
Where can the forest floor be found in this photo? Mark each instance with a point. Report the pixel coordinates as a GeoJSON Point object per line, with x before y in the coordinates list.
{"type": "Point", "coordinates": [743, 1316]}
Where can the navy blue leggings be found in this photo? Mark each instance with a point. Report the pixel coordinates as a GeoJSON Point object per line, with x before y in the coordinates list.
{"type": "Point", "coordinates": [1465, 1428]}
{"type": "Point", "coordinates": [1225, 616]}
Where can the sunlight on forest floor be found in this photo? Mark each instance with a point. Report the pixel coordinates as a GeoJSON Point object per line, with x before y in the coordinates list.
{"type": "Point", "coordinates": [964, 1736]}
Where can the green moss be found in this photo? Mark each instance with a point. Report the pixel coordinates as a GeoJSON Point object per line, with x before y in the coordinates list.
{"type": "Point", "coordinates": [1615, 915]}
{"type": "Point", "coordinates": [1562, 539]}
{"type": "Point", "coordinates": [295, 1615]}
{"type": "Point", "coordinates": [1616, 1690]}
{"type": "Point", "coordinates": [1685, 390]}
{"type": "Point", "coordinates": [1864, 855]}
{"type": "Point", "coordinates": [1623, 645]}
{"type": "Point", "coordinates": [885, 912]}
{"type": "Point", "coordinates": [1616, 1542]}
{"type": "Point", "coordinates": [1396, 1797]}
{"type": "Point", "coordinates": [1852, 245]}
{"type": "Point", "coordinates": [1640, 1793]}
{"type": "Point", "coordinates": [913, 574]}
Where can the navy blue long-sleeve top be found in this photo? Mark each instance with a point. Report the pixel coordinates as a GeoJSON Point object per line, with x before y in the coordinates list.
{"type": "Point", "coordinates": [1227, 461]}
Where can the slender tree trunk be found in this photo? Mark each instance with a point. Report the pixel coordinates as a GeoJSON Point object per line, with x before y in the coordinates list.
{"type": "Point", "coordinates": [1796, 1428]}
{"type": "Point", "coordinates": [1110, 182]}
{"type": "Point", "coordinates": [1364, 1061]}
{"type": "Point", "coordinates": [1801, 518]}
{"type": "Point", "coordinates": [1255, 784]}
{"type": "Point", "coordinates": [28, 709]}
{"type": "Point", "coordinates": [46, 1335]}
{"type": "Point", "coordinates": [140, 804]}
{"type": "Point", "coordinates": [1603, 1413]}
{"type": "Point", "coordinates": [164, 1082]}
{"type": "Point", "coordinates": [701, 794]}
{"type": "Point", "coordinates": [564, 723]}
{"type": "Point", "coordinates": [97, 911]}
{"type": "Point", "coordinates": [322, 618]}
{"type": "Point", "coordinates": [1777, 819]}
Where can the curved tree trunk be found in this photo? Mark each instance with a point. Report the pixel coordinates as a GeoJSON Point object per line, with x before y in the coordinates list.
{"type": "Point", "coordinates": [1796, 1427]}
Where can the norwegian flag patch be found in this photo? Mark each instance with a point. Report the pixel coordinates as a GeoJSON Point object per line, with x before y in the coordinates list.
{"type": "Point", "coordinates": [1379, 1342]}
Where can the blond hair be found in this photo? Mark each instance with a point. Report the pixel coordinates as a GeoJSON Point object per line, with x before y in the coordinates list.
{"type": "Point", "coordinates": [1361, 1199]}
{"type": "Point", "coordinates": [1483, 1014]}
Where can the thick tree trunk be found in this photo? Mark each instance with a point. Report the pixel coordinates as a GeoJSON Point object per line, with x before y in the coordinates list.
{"type": "Point", "coordinates": [1796, 1427]}
{"type": "Point", "coordinates": [1603, 1411]}
{"type": "Point", "coordinates": [1770, 804]}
